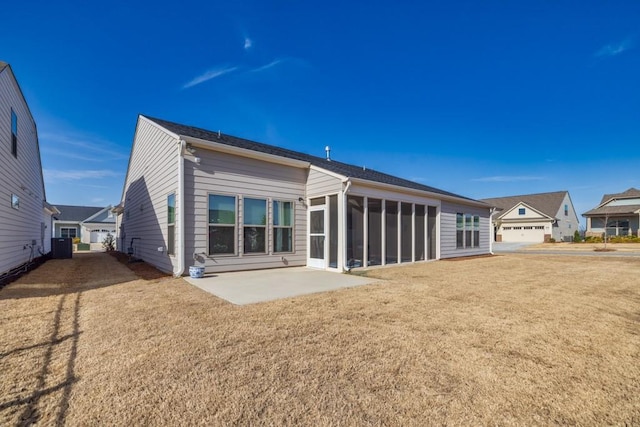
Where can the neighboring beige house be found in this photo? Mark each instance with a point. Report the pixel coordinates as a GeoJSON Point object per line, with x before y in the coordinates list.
{"type": "Point", "coordinates": [534, 217]}
{"type": "Point", "coordinates": [25, 229]}
{"type": "Point", "coordinates": [620, 211]}
{"type": "Point", "coordinates": [197, 197]}
{"type": "Point", "coordinates": [89, 223]}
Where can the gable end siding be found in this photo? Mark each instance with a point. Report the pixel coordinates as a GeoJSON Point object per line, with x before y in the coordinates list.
{"type": "Point", "coordinates": [152, 176]}
{"type": "Point", "coordinates": [21, 176]}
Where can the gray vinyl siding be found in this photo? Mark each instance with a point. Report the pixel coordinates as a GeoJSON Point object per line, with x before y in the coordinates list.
{"type": "Point", "coordinates": [448, 212]}
{"type": "Point", "coordinates": [58, 226]}
{"type": "Point", "coordinates": [565, 225]}
{"type": "Point", "coordinates": [227, 174]}
{"type": "Point", "coordinates": [322, 184]}
{"type": "Point", "coordinates": [151, 177]}
{"type": "Point", "coordinates": [21, 176]}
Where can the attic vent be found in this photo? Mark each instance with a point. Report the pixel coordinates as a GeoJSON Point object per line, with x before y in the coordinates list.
{"type": "Point", "coordinates": [327, 149]}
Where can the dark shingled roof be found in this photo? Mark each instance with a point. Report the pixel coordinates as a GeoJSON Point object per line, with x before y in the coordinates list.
{"type": "Point", "coordinates": [76, 213]}
{"type": "Point", "coordinates": [547, 203]}
{"type": "Point", "coordinates": [340, 168]}
{"type": "Point", "coordinates": [616, 210]}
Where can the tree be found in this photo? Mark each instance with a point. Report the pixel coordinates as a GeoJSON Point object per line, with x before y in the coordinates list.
{"type": "Point", "coordinates": [576, 237]}
{"type": "Point", "coordinates": [109, 243]}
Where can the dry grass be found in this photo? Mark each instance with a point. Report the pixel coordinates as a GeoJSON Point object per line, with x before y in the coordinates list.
{"type": "Point", "coordinates": [520, 340]}
{"type": "Point", "coordinates": [584, 247]}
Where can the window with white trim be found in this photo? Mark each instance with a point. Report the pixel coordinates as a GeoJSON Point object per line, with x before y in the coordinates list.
{"type": "Point", "coordinates": [171, 224]}
{"type": "Point", "coordinates": [255, 225]}
{"type": "Point", "coordinates": [459, 230]}
{"type": "Point", "coordinates": [282, 220]}
{"type": "Point", "coordinates": [68, 232]}
{"type": "Point", "coordinates": [468, 231]}
{"type": "Point", "coordinates": [222, 225]}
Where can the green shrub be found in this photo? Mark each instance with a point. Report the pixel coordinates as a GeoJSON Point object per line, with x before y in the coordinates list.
{"type": "Point", "coordinates": [576, 237]}
{"type": "Point", "coordinates": [552, 240]}
{"type": "Point", "coordinates": [593, 239]}
{"type": "Point", "coordinates": [76, 240]}
{"type": "Point", "coordinates": [624, 239]}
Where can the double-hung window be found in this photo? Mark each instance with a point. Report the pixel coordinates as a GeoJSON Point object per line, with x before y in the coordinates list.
{"type": "Point", "coordinates": [222, 225]}
{"type": "Point", "coordinates": [459, 230]}
{"type": "Point", "coordinates": [255, 225]}
{"type": "Point", "coordinates": [282, 226]}
{"type": "Point", "coordinates": [476, 231]}
{"type": "Point", "coordinates": [14, 133]}
{"type": "Point", "coordinates": [171, 224]}
{"type": "Point", "coordinates": [68, 232]}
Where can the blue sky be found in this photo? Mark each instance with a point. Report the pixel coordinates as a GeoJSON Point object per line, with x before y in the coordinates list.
{"type": "Point", "coordinates": [484, 99]}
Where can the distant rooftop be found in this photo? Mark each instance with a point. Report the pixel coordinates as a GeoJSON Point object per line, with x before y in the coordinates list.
{"type": "Point", "coordinates": [76, 213]}
{"type": "Point", "coordinates": [547, 203]}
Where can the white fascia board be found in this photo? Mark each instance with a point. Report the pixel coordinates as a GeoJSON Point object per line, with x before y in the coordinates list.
{"type": "Point", "coordinates": [328, 172]}
{"type": "Point", "coordinates": [49, 208]}
{"type": "Point", "coordinates": [406, 190]}
{"type": "Point", "coordinates": [96, 214]}
{"type": "Point", "coordinates": [165, 130]}
{"type": "Point", "coordinates": [243, 152]}
{"type": "Point", "coordinates": [141, 118]}
{"type": "Point", "coordinates": [528, 207]}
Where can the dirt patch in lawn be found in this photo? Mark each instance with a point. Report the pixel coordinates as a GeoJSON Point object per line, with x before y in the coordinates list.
{"type": "Point", "coordinates": [503, 340]}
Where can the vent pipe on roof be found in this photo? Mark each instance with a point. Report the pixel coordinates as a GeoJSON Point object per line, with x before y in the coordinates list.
{"type": "Point", "coordinates": [328, 151]}
{"type": "Point", "coordinates": [218, 134]}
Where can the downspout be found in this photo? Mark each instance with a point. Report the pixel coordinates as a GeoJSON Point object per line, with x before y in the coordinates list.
{"type": "Point", "coordinates": [343, 228]}
{"type": "Point", "coordinates": [180, 214]}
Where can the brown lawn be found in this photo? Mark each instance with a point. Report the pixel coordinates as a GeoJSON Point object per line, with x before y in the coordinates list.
{"type": "Point", "coordinates": [505, 340]}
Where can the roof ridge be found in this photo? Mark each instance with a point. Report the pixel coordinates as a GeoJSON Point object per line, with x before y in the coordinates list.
{"type": "Point", "coordinates": [341, 168]}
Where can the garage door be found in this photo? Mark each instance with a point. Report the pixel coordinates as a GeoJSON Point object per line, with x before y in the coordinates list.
{"type": "Point", "coordinates": [97, 236]}
{"type": "Point", "coordinates": [523, 234]}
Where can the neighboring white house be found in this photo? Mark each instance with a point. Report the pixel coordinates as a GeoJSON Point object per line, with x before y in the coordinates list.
{"type": "Point", "coordinates": [196, 197]}
{"type": "Point", "coordinates": [534, 217]}
{"type": "Point", "coordinates": [25, 228]}
{"type": "Point", "coordinates": [620, 211]}
{"type": "Point", "coordinates": [89, 223]}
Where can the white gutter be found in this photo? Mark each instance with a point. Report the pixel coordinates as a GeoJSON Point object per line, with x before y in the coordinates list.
{"type": "Point", "coordinates": [343, 226]}
{"type": "Point", "coordinates": [180, 212]}
{"type": "Point", "coordinates": [244, 152]}
{"type": "Point", "coordinates": [407, 190]}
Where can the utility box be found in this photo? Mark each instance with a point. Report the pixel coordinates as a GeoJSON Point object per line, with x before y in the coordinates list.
{"type": "Point", "coordinates": [61, 247]}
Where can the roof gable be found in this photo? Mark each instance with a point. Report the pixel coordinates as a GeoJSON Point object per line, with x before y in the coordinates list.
{"type": "Point", "coordinates": [103, 216]}
{"type": "Point", "coordinates": [547, 204]}
{"type": "Point", "coordinates": [630, 193]}
{"type": "Point", "coordinates": [530, 213]}
{"type": "Point", "coordinates": [344, 169]}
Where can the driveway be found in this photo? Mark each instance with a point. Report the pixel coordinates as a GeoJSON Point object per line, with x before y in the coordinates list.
{"type": "Point", "coordinates": [249, 287]}
{"type": "Point", "coordinates": [506, 247]}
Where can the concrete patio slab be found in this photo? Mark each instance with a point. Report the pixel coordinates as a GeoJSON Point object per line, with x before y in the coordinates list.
{"type": "Point", "coordinates": [249, 287]}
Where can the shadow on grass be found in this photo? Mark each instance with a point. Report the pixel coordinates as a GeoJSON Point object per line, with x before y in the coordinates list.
{"type": "Point", "coordinates": [85, 271]}
{"type": "Point", "coordinates": [30, 404]}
